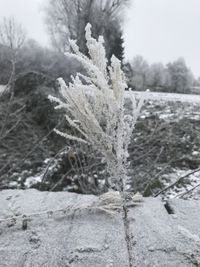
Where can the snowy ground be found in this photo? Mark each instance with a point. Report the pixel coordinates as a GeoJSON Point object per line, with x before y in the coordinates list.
{"type": "Point", "coordinates": [187, 108]}
{"type": "Point", "coordinates": [158, 96]}
{"type": "Point", "coordinates": [171, 114]}
{"type": "Point", "coordinates": [66, 229]}
{"type": "Point", "coordinates": [2, 87]}
{"type": "Point", "coordinates": [182, 190]}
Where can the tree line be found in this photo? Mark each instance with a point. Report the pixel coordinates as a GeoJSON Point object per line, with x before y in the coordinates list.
{"type": "Point", "coordinates": [173, 77]}
{"type": "Point", "coordinates": [65, 20]}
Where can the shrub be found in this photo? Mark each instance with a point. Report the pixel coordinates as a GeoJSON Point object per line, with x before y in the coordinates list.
{"type": "Point", "coordinates": [94, 106]}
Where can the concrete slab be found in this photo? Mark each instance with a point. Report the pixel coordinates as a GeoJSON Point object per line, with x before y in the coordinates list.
{"type": "Point", "coordinates": [66, 229]}
{"type": "Point", "coordinates": [163, 239]}
{"type": "Point", "coordinates": [81, 238]}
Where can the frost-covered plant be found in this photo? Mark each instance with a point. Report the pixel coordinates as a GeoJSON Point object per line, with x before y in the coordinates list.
{"type": "Point", "coordinates": [94, 106]}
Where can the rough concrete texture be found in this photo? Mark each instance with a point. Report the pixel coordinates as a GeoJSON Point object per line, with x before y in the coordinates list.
{"type": "Point", "coordinates": [76, 234]}
{"type": "Point", "coordinates": [161, 239]}
{"type": "Point", "coordinates": [81, 239]}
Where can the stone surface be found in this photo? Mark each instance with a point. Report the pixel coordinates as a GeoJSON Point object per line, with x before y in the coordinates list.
{"type": "Point", "coordinates": [79, 239]}
{"type": "Point", "coordinates": [166, 240]}
{"type": "Point", "coordinates": [74, 233]}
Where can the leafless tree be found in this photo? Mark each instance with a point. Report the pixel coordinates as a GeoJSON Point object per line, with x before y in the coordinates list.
{"type": "Point", "coordinates": [66, 19]}
{"type": "Point", "coordinates": [12, 36]}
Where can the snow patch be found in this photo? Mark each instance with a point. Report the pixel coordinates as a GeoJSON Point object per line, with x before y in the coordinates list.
{"type": "Point", "coordinates": [33, 180]}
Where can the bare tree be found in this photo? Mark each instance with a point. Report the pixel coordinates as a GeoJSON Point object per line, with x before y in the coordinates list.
{"type": "Point", "coordinates": [181, 78]}
{"type": "Point", "coordinates": [140, 68]}
{"type": "Point", "coordinates": [12, 36]}
{"type": "Point", "coordinates": [157, 76]}
{"type": "Point", "coordinates": [66, 19]}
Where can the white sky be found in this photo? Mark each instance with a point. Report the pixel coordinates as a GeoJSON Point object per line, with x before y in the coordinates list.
{"type": "Point", "coordinates": [159, 30]}
{"type": "Point", "coordinates": [163, 30]}
{"type": "Point", "coordinates": [30, 14]}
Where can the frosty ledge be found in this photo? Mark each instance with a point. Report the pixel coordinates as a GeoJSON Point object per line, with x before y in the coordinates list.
{"type": "Point", "coordinates": [81, 236]}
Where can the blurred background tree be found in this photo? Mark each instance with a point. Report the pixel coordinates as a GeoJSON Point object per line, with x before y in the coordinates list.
{"type": "Point", "coordinates": [174, 77]}
{"type": "Point", "coordinates": [66, 19]}
{"type": "Point", "coordinates": [140, 69]}
{"type": "Point", "coordinates": [12, 38]}
{"type": "Point", "coordinates": [181, 78]}
{"type": "Point", "coordinates": [12, 34]}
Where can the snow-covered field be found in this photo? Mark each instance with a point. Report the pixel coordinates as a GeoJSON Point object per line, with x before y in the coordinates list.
{"type": "Point", "coordinates": [158, 96]}
{"type": "Point", "coordinates": [173, 115]}
{"type": "Point", "coordinates": [185, 109]}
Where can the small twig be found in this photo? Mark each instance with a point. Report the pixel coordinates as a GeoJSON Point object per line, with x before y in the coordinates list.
{"type": "Point", "coordinates": [17, 111]}
{"type": "Point", "coordinates": [145, 154]}
{"type": "Point", "coordinates": [110, 205]}
{"type": "Point", "coordinates": [189, 191]}
{"type": "Point", "coordinates": [10, 130]}
{"type": "Point", "coordinates": [48, 212]}
{"type": "Point", "coordinates": [49, 164]}
{"type": "Point", "coordinates": [60, 181]}
{"type": "Point", "coordinates": [152, 167]}
{"type": "Point", "coordinates": [176, 182]}
{"type": "Point", "coordinates": [34, 146]}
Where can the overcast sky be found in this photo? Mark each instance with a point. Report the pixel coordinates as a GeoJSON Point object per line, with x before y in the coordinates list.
{"type": "Point", "coordinates": [163, 30]}
{"type": "Point", "coordinates": [159, 30]}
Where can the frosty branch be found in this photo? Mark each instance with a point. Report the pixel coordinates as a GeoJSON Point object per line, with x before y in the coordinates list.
{"type": "Point", "coordinates": [94, 106]}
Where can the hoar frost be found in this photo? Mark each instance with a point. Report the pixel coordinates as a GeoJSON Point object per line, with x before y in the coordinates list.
{"type": "Point", "coordinates": [94, 106]}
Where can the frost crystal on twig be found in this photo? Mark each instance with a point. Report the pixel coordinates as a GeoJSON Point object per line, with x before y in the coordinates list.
{"type": "Point", "coordinates": [94, 106]}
